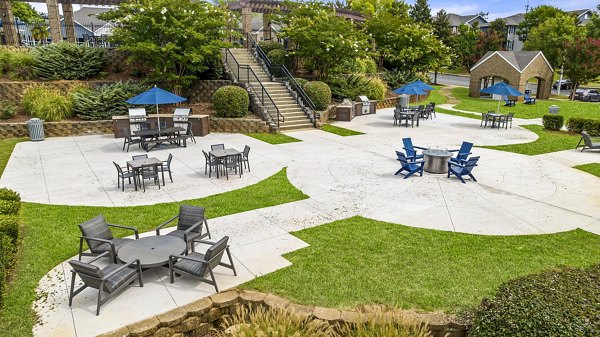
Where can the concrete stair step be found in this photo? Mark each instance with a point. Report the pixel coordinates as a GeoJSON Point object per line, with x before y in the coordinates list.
{"type": "Point", "coordinates": [284, 128]}
{"type": "Point", "coordinates": [296, 122]}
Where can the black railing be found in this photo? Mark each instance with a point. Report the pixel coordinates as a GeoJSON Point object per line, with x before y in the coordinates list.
{"type": "Point", "coordinates": [29, 35]}
{"type": "Point", "coordinates": [281, 72]}
{"type": "Point", "coordinates": [263, 96]}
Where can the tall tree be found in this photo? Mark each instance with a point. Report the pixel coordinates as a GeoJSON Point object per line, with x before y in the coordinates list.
{"type": "Point", "coordinates": [593, 26]}
{"type": "Point", "coordinates": [442, 28]}
{"type": "Point", "coordinates": [584, 61]}
{"type": "Point", "coordinates": [550, 37]}
{"type": "Point", "coordinates": [25, 12]}
{"type": "Point", "coordinates": [498, 27]}
{"type": "Point", "coordinates": [535, 17]}
{"type": "Point", "coordinates": [420, 12]}
{"type": "Point", "coordinates": [464, 43]}
{"type": "Point", "coordinates": [371, 7]}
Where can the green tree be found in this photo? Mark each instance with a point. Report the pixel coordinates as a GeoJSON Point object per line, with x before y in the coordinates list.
{"type": "Point", "coordinates": [25, 12]}
{"type": "Point", "coordinates": [550, 37]}
{"type": "Point", "coordinates": [464, 44]}
{"type": "Point", "coordinates": [584, 61]}
{"type": "Point", "coordinates": [535, 17]}
{"type": "Point", "coordinates": [593, 26]}
{"type": "Point", "coordinates": [443, 30]}
{"type": "Point", "coordinates": [176, 39]}
{"type": "Point", "coordinates": [420, 12]}
{"type": "Point", "coordinates": [371, 7]}
{"type": "Point", "coordinates": [498, 27]}
{"type": "Point", "coordinates": [320, 38]}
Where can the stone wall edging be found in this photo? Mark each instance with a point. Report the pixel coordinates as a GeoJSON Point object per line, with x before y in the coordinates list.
{"type": "Point", "coordinates": [199, 317]}
{"type": "Point", "coordinates": [58, 129]}
{"type": "Point", "coordinates": [241, 125]}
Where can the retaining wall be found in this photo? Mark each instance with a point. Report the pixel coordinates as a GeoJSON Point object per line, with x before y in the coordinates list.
{"type": "Point", "coordinates": [242, 125]}
{"type": "Point", "coordinates": [58, 129]}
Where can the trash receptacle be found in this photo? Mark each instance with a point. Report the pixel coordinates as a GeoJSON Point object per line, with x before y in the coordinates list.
{"type": "Point", "coordinates": [36, 129]}
{"type": "Point", "coordinates": [403, 100]}
{"type": "Point", "coordinates": [553, 109]}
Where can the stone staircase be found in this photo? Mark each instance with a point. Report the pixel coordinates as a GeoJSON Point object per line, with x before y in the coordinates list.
{"type": "Point", "coordinates": [293, 116]}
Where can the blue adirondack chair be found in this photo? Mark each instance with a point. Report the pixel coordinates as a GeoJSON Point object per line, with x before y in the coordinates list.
{"type": "Point", "coordinates": [411, 167]}
{"type": "Point", "coordinates": [411, 153]}
{"type": "Point", "coordinates": [527, 98]}
{"type": "Point", "coordinates": [508, 102]}
{"type": "Point", "coordinates": [463, 153]}
{"type": "Point", "coordinates": [460, 170]}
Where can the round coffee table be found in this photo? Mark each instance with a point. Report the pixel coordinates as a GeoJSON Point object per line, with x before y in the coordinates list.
{"type": "Point", "coordinates": [152, 251]}
{"type": "Point", "coordinates": [436, 160]}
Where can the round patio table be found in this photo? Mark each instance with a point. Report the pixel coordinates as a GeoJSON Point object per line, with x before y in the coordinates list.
{"type": "Point", "coordinates": [152, 251]}
{"type": "Point", "coordinates": [436, 160]}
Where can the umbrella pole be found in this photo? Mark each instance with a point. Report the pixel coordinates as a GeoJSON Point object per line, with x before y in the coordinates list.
{"type": "Point", "coordinates": [157, 117]}
{"type": "Point", "coordinates": [498, 109]}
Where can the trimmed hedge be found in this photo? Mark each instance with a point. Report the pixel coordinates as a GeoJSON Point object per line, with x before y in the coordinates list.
{"type": "Point", "coordinates": [591, 126]}
{"type": "Point", "coordinates": [268, 46]}
{"type": "Point", "coordinates": [562, 302]}
{"type": "Point", "coordinates": [9, 226]}
{"type": "Point", "coordinates": [105, 101]}
{"type": "Point", "coordinates": [553, 122]}
{"type": "Point", "coordinates": [231, 101]}
{"type": "Point", "coordinates": [6, 194]}
{"type": "Point", "coordinates": [6, 254]}
{"type": "Point", "coordinates": [10, 207]}
{"type": "Point", "coordinates": [67, 61]}
{"type": "Point", "coordinates": [319, 93]}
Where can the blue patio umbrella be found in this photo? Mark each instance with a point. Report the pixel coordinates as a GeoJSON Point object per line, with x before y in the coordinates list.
{"type": "Point", "coordinates": [501, 89]}
{"type": "Point", "coordinates": [156, 96]}
{"type": "Point", "coordinates": [422, 85]}
{"type": "Point", "coordinates": [410, 89]}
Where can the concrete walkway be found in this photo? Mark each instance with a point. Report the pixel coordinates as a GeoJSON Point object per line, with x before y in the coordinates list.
{"type": "Point", "coordinates": [344, 176]}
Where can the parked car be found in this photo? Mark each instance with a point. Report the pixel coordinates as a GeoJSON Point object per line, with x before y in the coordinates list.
{"type": "Point", "coordinates": [564, 84]}
{"type": "Point", "coordinates": [587, 95]}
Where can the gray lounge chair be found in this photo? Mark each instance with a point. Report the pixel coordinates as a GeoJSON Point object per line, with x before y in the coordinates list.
{"type": "Point", "coordinates": [111, 279]}
{"type": "Point", "coordinates": [201, 265]}
{"type": "Point", "coordinates": [96, 233]}
{"type": "Point", "coordinates": [588, 142]}
{"type": "Point", "coordinates": [190, 222]}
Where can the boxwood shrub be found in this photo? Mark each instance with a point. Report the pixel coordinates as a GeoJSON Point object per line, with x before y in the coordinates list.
{"type": "Point", "coordinates": [6, 194]}
{"type": "Point", "coordinates": [553, 122]}
{"type": "Point", "coordinates": [591, 126]}
{"type": "Point", "coordinates": [231, 101]}
{"type": "Point", "coordinates": [105, 101]}
{"type": "Point", "coordinates": [278, 57]}
{"type": "Point", "coordinates": [67, 61]}
{"type": "Point", "coordinates": [267, 46]}
{"type": "Point", "coordinates": [7, 249]}
{"type": "Point", "coordinates": [9, 226]}
{"type": "Point", "coordinates": [319, 93]}
{"type": "Point", "coordinates": [562, 302]}
{"type": "Point", "coordinates": [10, 207]}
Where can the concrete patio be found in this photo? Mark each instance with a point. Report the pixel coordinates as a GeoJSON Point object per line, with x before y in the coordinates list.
{"type": "Point", "coordinates": [343, 176]}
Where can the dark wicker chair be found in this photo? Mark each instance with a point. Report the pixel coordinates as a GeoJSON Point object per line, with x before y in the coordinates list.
{"type": "Point", "coordinates": [111, 279]}
{"type": "Point", "coordinates": [96, 233]}
{"type": "Point", "coordinates": [190, 223]}
{"type": "Point", "coordinates": [201, 265]}
{"type": "Point", "coordinates": [122, 174]}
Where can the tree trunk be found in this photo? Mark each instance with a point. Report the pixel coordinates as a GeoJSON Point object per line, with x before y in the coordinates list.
{"type": "Point", "coordinates": [435, 77]}
{"type": "Point", "coordinates": [574, 87]}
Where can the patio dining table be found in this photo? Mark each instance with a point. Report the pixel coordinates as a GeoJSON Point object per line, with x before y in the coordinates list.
{"type": "Point", "coordinates": [137, 164]}
{"type": "Point", "coordinates": [159, 136]}
{"type": "Point", "coordinates": [409, 114]}
{"type": "Point", "coordinates": [495, 117]}
{"type": "Point", "coordinates": [224, 154]}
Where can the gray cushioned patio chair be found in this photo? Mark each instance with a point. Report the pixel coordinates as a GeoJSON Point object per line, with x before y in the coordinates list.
{"type": "Point", "coordinates": [166, 167]}
{"type": "Point", "coordinates": [245, 154]}
{"type": "Point", "coordinates": [96, 233]}
{"type": "Point", "coordinates": [122, 174]}
{"type": "Point", "coordinates": [215, 147]}
{"type": "Point", "coordinates": [190, 223]}
{"type": "Point", "coordinates": [111, 279]}
{"type": "Point", "coordinates": [588, 142]}
{"type": "Point", "coordinates": [211, 162]}
{"type": "Point", "coordinates": [129, 140]}
{"type": "Point", "coordinates": [201, 265]}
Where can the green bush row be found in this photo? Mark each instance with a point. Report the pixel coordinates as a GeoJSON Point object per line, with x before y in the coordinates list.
{"type": "Point", "coordinates": [231, 101]}
{"type": "Point", "coordinates": [47, 103]}
{"type": "Point", "coordinates": [67, 61]}
{"type": "Point", "coordinates": [105, 101]}
{"type": "Point", "coordinates": [10, 205]}
{"type": "Point", "coordinates": [7, 194]}
{"type": "Point", "coordinates": [591, 126]}
{"type": "Point", "coordinates": [553, 122]}
{"type": "Point", "coordinates": [562, 302]}
{"type": "Point", "coordinates": [355, 85]}
{"type": "Point", "coordinates": [319, 93]}
{"type": "Point", "coordinates": [268, 46]}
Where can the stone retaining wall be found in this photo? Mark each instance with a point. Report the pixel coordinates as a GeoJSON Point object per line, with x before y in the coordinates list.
{"type": "Point", "coordinates": [202, 91]}
{"type": "Point", "coordinates": [13, 90]}
{"type": "Point", "coordinates": [58, 129]}
{"type": "Point", "coordinates": [241, 125]}
{"type": "Point", "coordinates": [197, 318]}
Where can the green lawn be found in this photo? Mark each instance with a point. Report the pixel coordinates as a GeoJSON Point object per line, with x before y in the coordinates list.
{"type": "Point", "coordinates": [50, 235]}
{"type": "Point", "coordinates": [592, 168]}
{"type": "Point", "coordinates": [273, 138]}
{"type": "Point", "coordinates": [567, 108]}
{"type": "Point", "coordinates": [6, 148]}
{"type": "Point", "coordinates": [339, 130]}
{"type": "Point", "coordinates": [548, 141]}
{"type": "Point", "coordinates": [435, 96]}
{"type": "Point", "coordinates": [360, 261]}
{"type": "Point", "coordinates": [457, 113]}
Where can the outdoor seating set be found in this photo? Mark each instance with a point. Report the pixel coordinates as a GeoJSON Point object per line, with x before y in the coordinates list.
{"type": "Point", "coordinates": [589, 143]}
{"type": "Point", "coordinates": [413, 114]}
{"type": "Point", "coordinates": [496, 120]}
{"type": "Point", "coordinates": [129, 257]}
{"type": "Point", "coordinates": [221, 160]}
{"type": "Point", "coordinates": [436, 160]}
{"type": "Point", "coordinates": [149, 136]}
{"type": "Point", "coordinates": [527, 99]}
{"type": "Point", "coordinates": [140, 168]}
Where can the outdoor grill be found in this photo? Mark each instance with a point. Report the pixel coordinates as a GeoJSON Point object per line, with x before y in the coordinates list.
{"type": "Point", "coordinates": [365, 110]}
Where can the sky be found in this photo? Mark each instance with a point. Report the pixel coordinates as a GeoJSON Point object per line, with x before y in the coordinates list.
{"type": "Point", "coordinates": [496, 8]}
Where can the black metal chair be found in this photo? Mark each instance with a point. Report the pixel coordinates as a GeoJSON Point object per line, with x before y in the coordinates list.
{"type": "Point", "coordinates": [149, 171]}
{"type": "Point", "coordinates": [245, 159]}
{"type": "Point", "coordinates": [432, 104]}
{"type": "Point", "coordinates": [96, 233]}
{"type": "Point", "coordinates": [201, 265]}
{"type": "Point", "coordinates": [217, 147]}
{"type": "Point", "coordinates": [190, 223]}
{"type": "Point", "coordinates": [122, 175]}
{"type": "Point", "coordinates": [111, 279]}
{"type": "Point", "coordinates": [140, 156]}
{"type": "Point", "coordinates": [211, 162]}
{"type": "Point", "coordinates": [166, 167]}
{"type": "Point", "coordinates": [233, 162]}
{"type": "Point", "coordinates": [129, 140]}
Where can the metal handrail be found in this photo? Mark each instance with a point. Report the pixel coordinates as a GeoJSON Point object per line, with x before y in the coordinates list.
{"type": "Point", "coordinates": [282, 69]}
{"type": "Point", "coordinates": [263, 91]}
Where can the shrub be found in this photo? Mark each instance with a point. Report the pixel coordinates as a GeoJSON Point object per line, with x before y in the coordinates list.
{"type": "Point", "coordinates": [9, 207]}
{"type": "Point", "coordinates": [47, 103]}
{"type": "Point", "coordinates": [301, 81]}
{"type": "Point", "coordinates": [104, 101]}
{"type": "Point", "coordinates": [268, 46]}
{"type": "Point", "coordinates": [562, 302]}
{"type": "Point", "coordinates": [6, 253]}
{"type": "Point", "coordinates": [9, 226]}
{"type": "Point", "coordinates": [382, 324]}
{"type": "Point", "coordinates": [7, 110]}
{"type": "Point", "coordinates": [16, 62]}
{"type": "Point", "coordinates": [319, 93]}
{"type": "Point", "coordinates": [396, 78]}
{"type": "Point", "coordinates": [375, 89]}
{"type": "Point", "coordinates": [355, 85]}
{"type": "Point", "coordinates": [553, 122]}
{"type": "Point", "coordinates": [278, 57]}
{"type": "Point", "coordinates": [6, 194]}
{"type": "Point", "coordinates": [67, 61]}
{"type": "Point", "coordinates": [370, 66]}
{"type": "Point", "coordinates": [273, 322]}
{"type": "Point", "coordinates": [591, 126]}
{"type": "Point", "coordinates": [231, 101]}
